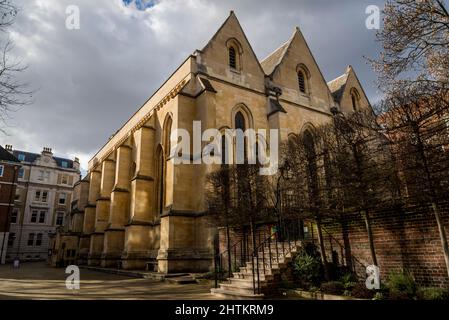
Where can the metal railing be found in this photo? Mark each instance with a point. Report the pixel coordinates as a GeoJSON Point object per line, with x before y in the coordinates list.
{"type": "Point", "coordinates": [258, 249]}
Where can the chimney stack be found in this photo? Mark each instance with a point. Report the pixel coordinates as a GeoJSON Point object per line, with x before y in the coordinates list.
{"type": "Point", "coordinates": [47, 151]}
{"type": "Point", "coordinates": [8, 147]}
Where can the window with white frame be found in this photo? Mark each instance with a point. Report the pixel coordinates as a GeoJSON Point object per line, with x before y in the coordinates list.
{"type": "Point", "coordinates": [42, 215]}
{"type": "Point", "coordinates": [44, 196]}
{"type": "Point", "coordinates": [2, 169]}
{"type": "Point", "coordinates": [60, 218]}
{"type": "Point", "coordinates": [33, 218]}
{"type": "Point", "coordinates": [39, 239]}
{"type": "Point", "coordinates": [14, 215]}
{"type": "Point", "coordinates": [43, 176]}
{"type": "Point", "coordinates": [30, 241]}
{"type": "Point", "coordinates": [62, 198]}
{"type": "Point", "coordinates": [37, 195]}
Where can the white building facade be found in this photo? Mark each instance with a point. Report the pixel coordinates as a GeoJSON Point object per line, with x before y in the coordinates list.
{"type": "Point", "coordinates": [42, 200]}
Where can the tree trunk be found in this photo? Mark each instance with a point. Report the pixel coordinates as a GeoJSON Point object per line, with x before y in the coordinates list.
{"type": "Point", "coordinates": [229, 250]}
{"type": "Point", "coordinates": [322, 249]}
{"type": "Point", "coordinates": [366, 217]}
{"type": "Point", "coordinates": [347, 244]}
{"type": "Point", "coordinates": [442, 233]}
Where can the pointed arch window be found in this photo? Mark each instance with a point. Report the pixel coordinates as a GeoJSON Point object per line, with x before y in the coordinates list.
{"type": "Point", "coordinates": [234, 51]}
{"type": "Point", "coordinates": [355, 99]}
{"type": "Point", "coordinates": [232, 58]}
{"type": "Point", "coordinates": [302, 81]}
{"type": "Point", "coordinates": [240, 121]}
{"type": "Point", "coordinates": [160, 186]}
{"type": "Point", "coordinates": [240, 124]}
{"type": "Point", "coordinates": [167, 135]}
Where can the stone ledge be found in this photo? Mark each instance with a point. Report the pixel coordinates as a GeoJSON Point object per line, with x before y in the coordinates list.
{"type": "Point", "coordinates": [318, 295]}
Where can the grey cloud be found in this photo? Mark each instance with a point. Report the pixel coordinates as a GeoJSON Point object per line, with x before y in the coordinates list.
{"type": "Point", "coordinates": [90, 81]}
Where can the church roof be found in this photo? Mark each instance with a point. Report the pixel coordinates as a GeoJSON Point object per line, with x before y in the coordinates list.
{"type": "Point", "coordinates": [337, 86]}
{"type": "Point", "coordinates": [270, 63]}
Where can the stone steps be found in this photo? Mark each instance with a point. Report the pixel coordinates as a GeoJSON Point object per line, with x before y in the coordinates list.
{"type": "Point", "coordinates": [241, 285]}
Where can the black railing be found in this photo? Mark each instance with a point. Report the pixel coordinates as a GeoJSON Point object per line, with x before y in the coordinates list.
{"type": "Point", "coordinates": [258, 249]}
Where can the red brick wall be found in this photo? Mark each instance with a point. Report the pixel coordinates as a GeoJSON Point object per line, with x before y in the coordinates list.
{"type": "Point", "coordinates": [7, 192]}
{"type": "Point", "coordinates": [406, 240]}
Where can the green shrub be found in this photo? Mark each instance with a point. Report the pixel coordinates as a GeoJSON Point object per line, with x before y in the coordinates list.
{"type": "Point", "coordinates": [332, 287]}
{"type": "Point", "coordinates": [308, 268]}
{"type": "Point", "coordinates": [379, 296]}
{"type": "Point", "coordinates": [362, 292]}
{"type": "Point", "coordinates": [349, 280]}
{"type": "Point", "coordinates": [432, 293]}
{"type": "Point", "coordinates": [401, 285]}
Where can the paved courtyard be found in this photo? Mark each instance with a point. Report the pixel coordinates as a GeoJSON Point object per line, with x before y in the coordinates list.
{"type": "Point", "coordinates": [38, 281]}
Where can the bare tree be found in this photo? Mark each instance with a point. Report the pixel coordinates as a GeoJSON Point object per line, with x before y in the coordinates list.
{"type": "Point", "coordinates": [238, 196]}
{"type": "Point", "coordinates": [308, 185]}
{"type": "Point", "coordinates": [415, 40]}
{"type": "Point", "coordinates": [414, 73]}
{"type": "Point", "coordinates": [13, 93]}
{"type": "Point", "coordinates": [416, 120]}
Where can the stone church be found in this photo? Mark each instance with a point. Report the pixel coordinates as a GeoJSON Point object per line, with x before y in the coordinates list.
{"type": "Point", "coordinates": [141, 207]}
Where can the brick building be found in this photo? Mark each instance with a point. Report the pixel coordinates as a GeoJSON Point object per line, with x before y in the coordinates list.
{"type": "Point", "coordinates": [9, 169]}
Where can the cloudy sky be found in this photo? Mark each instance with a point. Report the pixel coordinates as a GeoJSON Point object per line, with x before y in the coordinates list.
{"type": "Point", "coordinates": [89, 81]}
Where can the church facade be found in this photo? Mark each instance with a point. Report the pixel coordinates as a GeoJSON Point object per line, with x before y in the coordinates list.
{"type": "Point", "coordinates": [142, 209]}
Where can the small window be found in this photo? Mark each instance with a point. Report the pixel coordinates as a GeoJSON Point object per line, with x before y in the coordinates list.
{"type": "Point", "coordinates": [240, 121]}
{"type": "Point", "coordinates": [302, 81]}
{"type": "Point", "coordinates": [21, 173]}
{"type": "Point", "coordinates": [2, 168]}
{"type": "Point", "coordinates": [39, 240]}
{"type": "Point", "coordinates": [64, 164]}
{"type": "Point", "coordinates": [14, 216]}
{"type": "Point", "coordinates": [33, 216]}
{"type": "Point", "coordinates": [30, 241]}
{"type": "Point", "coordinates": [60, 219]}
{"type": "Point", "coordinates": [21, 157]}
{"type": "Point", "coordinates": [44, 196]}
{"type": "Point", "coordinates": [42, 215]}
{"type": "Point", "coordinates": [62, 198]}
{"type": "Point", "coordinates": [11, 239]}
{"type": "Point", "coordinates": [232, 58]}
{"type": "Point", "coordinates": [37, 195]}
{"type": "Point", "coordinates": [355, 99]}
{"type": "Point", "coordinates": [64, 179]}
